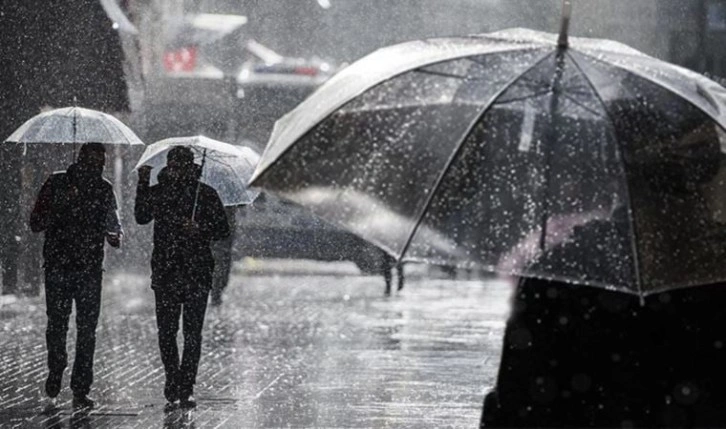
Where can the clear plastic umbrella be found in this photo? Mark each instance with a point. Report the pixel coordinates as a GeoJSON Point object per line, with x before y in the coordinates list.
{"type": "Point", "coordinates": [513, 143]}
{"type": "Point", "coordinates": [74, 125]}
{"type": "Point", "coordinates": [225, 167]}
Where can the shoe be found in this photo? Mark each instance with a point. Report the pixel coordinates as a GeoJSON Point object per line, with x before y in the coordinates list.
{"type": "Point", "coordinates": [83, 401]}
{"type": "Point", "coordinates": [53, 384]}
{"type": "Point", "coordinates": [188, 403]}
{"type": "Point", "coordinates": [170, 406]}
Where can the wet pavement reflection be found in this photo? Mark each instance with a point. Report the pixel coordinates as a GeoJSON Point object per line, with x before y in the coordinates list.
{"type": "Point", "coordinates": [282, 351]}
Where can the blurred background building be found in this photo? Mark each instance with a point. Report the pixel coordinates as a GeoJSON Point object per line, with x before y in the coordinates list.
{"type": "Point", "coordinates": [322, 35]}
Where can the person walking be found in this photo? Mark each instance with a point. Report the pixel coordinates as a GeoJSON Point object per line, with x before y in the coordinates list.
{"type": "Point", "coordinates": [574, 355]}
{"type": "Point", "coordinates": [77, 211]}
{"type": "Point", "coordinates": [188, 215]}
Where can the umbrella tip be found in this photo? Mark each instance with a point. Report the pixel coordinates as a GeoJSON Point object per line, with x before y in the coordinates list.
{"type": "Point", "coordinates": [562, 42]}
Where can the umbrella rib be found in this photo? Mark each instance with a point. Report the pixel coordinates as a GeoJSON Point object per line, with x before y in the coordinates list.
{"type": "Point", "coordinates": [460, 145]}
{"type": "Point", "coordinates": [441, 74]}
{"type": "Point", "coordinates": [654, 82]}
{"type": "Point", "coordinates": [108, 130]}
{"type": "Point", "coordinates": [524, 97]}
{"type": "Point", "coordinates": [633, 240]}
{"type": "Point", "coordinates": [589, 109]}
{"type": "Point", "coordinates": [341, 104]}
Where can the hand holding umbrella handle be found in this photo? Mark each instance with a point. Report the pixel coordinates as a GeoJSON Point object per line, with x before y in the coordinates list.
{"type": "Point", "coordinates": [114, 239]}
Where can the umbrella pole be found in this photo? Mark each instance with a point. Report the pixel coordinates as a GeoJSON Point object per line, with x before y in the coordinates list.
{"type": "Point", "coordinates": [556, 89]}
{"type": "Point", "coordinates": [75, 115]}
{"type": "Point", "coordinates": [562, 42]}
{"type": "Point", "coordinates": [199, 180]}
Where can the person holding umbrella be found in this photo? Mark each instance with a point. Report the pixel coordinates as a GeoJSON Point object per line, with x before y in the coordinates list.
{"type": "Point", "coordinates": [579, 356]}
{"type": "Point", "coordinates": [77, 211]}
{"type": "Point", "coordinates": [225, 167]}
{"type": "Point", "coordinates": [188, 215]}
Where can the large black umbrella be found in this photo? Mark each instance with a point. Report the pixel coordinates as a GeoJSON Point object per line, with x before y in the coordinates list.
{"type": "Point", "coordinates": [507, 143]}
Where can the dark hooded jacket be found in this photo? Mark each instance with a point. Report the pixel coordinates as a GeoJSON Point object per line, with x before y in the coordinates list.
{"type": "Point", "coordinates": [76, 209]}
{"type": "Point", "coordinates": [170, 204]}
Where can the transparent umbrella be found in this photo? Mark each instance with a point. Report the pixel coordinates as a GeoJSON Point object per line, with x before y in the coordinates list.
{"type": "Point", "coordinates": [74, 125]}
{"type": "Point", "coordinates": [55, 136]}
{"type": "Point", "coordinates": [510, 144]}
{"type": "Point", "coordinates": [226, 168]}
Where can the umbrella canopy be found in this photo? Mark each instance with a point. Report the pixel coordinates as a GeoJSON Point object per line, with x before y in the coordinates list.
{"type": "Point", "coordinates": [74, 125]}
{"type": "Point", "coordinates": [225, 167]}
{"type": "Point", "coordinates": [512, 143]}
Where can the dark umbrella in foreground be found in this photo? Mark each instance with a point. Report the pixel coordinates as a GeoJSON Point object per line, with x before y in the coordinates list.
{"type": "Point", "coordinates": [226, 168]}
{"type": "Point", "coordinates": [504, 143]}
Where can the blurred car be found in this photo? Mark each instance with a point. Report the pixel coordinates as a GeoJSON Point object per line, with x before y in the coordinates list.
{"type": "Point", "coordinates": [215, 79]}
{"type": "Point", "coordinates": [274, 228]}
{"type": "Point", "coordinates": [269, 85]}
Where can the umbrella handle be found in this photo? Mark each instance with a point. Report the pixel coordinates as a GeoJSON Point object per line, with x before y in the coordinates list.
{"type": "Point", "coordinates": [565, 23]}
{"type": "Point", "coordinates": [196, 199]}
{"type": "Point", "coordinates": [196, 194]}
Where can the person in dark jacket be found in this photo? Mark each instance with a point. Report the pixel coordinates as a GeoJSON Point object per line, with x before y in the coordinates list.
{"type": "Point", "coordinates": [77, 211]}
{"type": "Point", "coordinates": [188, 215]}
{"type": "Point", "coordinates": [580, 356]}
{"type": "Point", "coordinates": [55, 53]}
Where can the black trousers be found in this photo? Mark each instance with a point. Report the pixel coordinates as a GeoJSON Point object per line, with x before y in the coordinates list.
{"type": "Point", "coordinates": [183, 299]}
{"type": "Point", "coordinates": [62, 288]}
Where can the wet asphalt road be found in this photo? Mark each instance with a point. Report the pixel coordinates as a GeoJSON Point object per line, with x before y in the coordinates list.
{"type": "Point", "coordinates": [324, 349]}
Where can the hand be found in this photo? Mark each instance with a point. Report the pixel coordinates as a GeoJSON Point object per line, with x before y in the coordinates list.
{"type": "Point", "coordinates": [114, 239]}
{"type": "Point", "coordinates": [144, 174]}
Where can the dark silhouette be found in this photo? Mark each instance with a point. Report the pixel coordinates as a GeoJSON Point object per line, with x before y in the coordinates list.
{"type": "Point", "coordinates": [577, 356]}
{"type": "Point", "coordinates": [188, 215]}
{"type": "Point", "coordinates": [77, 211]}
{"type": "Point", "coordinates": [388, 263]}
{"type": "Point", "coordinates": [580, 356]}
{"type": "Point", "coordinates": [222, 251]}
